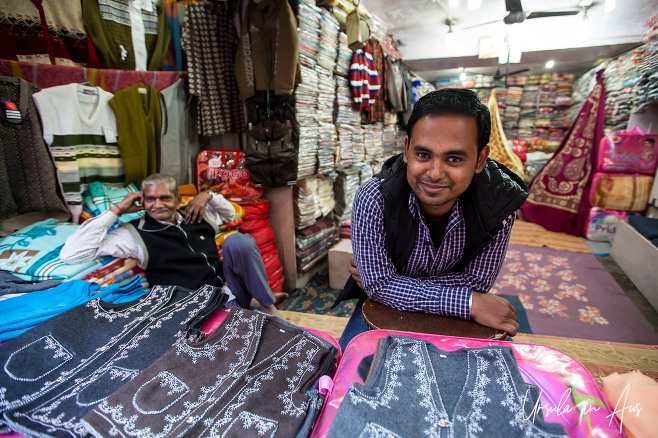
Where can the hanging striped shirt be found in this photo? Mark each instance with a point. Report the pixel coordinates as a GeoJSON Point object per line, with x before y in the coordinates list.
{"type": "Point", "coordinates": [425, 285]}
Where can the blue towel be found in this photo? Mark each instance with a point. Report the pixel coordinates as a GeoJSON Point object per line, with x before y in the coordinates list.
{"type": "Point", "coordinates": [20, 314]}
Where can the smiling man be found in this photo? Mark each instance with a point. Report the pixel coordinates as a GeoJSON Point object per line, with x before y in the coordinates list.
{"type": "Point", "coordinates": [177, 247]}
{"type": "Point", "coordinates": [430, 231]}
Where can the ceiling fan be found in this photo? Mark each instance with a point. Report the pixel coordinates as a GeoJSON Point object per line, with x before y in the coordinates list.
{"type": "Point", "coordinates": [518, 15]}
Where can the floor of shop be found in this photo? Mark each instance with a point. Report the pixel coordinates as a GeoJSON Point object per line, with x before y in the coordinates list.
{"type": "Point", "coordinates": [317, 296]}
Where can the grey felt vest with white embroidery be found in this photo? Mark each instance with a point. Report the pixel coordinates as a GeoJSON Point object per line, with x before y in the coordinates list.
{"type": "Point", "coordinates": [256, 375]}
{"type": "Point", "coordinates": [55, 373]}
{"type": "Point", "coordinates": [417, 390]}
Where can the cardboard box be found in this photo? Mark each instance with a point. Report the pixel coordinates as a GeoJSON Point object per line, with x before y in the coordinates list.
{"type": "Point", "coordinates": [638, 258]}
{"type": "Point", "coordinates": [340, 256]}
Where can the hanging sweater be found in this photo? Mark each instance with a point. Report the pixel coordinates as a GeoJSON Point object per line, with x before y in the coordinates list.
{"type": "Point", "coordinates": [139, 124]}
{"type": "Point", "coordinates": [364, 80]}
{"type": "Point", "coordinates": [127, 34]}
{"type": "Point", "coordinates": [268, 53]}
{"type": "Point", "coordinates": [27, 173]}
{"type": "Point", "coordinates": [80, 128]}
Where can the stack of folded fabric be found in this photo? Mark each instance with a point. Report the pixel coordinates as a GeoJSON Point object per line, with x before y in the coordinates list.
{"type": "Point", "coordinates": [99, 197]}
{"type": "Point", "coordinates": [548, 94]}
{"type": "Point", "coordinates": [326, 147]}
{"type": "Point", "coordinates": [328, 47]}
{"type": "Point", "coordinates": [563, 93]}
{"type": "Point", "coordinates": [514, 95]}
{"type": "Point", "coordinates": [325, 117]}
{"type": "Point", "coordinates": [306, 108]}
{"type": "Point", "coordinates": [304, 202]}
{"type": "Point", "coordinates": [345, 186]}
{"type": "Point", "coordinates": [389, 140]}
{"type": "Point", "coordinates": [32, 253]}
{"type": "Point", "coordinates": [343, 56]}
{"type": "Point", "coordinates": [544, 116]}
{"type": "Point", "coordinates": [529, 96]}
{"type": "Point", "coordinates": [313, 243]}
{"type": "Point", "coordinates": [358, 147]}
{"type": "Point", "coordinates": [344, 119]}
{"type": "Point", "coordinates": [308, 27]}
{"type": "Point", "coordinates": [517, 80]}
{"type": "Point", "coordinates": [373, 142]}
{"type": "Point", "coordinates": [346, 229]}
{"type": "Point", "coordinates": [324, 199]}
{"type": "Point", "coordinates": [555, 134]}
{"type": "Point", "coordinates": [365, 173]}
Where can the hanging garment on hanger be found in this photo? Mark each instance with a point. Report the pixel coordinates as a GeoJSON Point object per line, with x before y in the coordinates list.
{"type": "Point", "coordinates": [127, 34]}
{"type": "Point", "coordinates": [559, 192]}
{"type": "Point", "coordinates": [180, 141]}
{"type": "Point", "coordinates": [268, 54]}
{"type": "Point", "coordinates": [139, 125]}
{"type": "Point", "coordinates": [499, 148]}
{"type": "Point", "coordinates": [364, 79]}
{"type": "Point", "coordinates": [80, 129]}
{"type": "Point", "coordinates": [61, 369]}
{"type": "Point", "coordinates": [45, 32]}
{"type": "Point", "coordinates": [28, 183]}
{"type": "Point", "coordinates": [378, 106]}
{"type": "Point", "coordinates": [210, 43]}
{"type": "Point", "coordinates": [395, 88]}
{"type": "Point", "coordinates": [256, 375]}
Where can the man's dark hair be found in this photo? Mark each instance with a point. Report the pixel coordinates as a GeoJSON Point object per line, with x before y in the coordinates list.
{"type": "Point", "coordinates": [449, 101]}
{"type": "Point", "coordinates": [651, 140]}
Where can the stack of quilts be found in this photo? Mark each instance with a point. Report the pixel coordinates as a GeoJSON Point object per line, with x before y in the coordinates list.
{"type": "Point", "coordinates": [308, 26]}
{"type": "Point", "coordinates": [343, 56]}
{"type": "Point", "coordinates": [345, 186]}
{"type": "Point", "coordinates": [329, 28]}
{"type": "Point", "coordinates": [306, 108]}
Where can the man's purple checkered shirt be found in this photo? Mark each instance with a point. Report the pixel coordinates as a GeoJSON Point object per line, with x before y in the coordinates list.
{"type": "Point", "coordinates": [426, 286]}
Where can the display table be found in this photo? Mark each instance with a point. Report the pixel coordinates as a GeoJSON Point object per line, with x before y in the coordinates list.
{"type": "Point", "coordinates": [600, 358]}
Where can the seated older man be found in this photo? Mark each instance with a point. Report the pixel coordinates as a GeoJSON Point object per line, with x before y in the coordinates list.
{"type": "Point", "coordinates": [177, 247]}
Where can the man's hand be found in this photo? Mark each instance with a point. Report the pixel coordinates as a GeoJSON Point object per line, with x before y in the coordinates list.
{"type": "Point", "coordinates": [195, 208]}
{"type": "Point", "coordinates": [134, 201]}
{"type": "Point", "coordinates": [355, 273]}
{"type": "Point", "coordinates": [495, 312]}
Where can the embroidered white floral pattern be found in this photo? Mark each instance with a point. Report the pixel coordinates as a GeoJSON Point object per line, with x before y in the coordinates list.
{"type": "Point", "coordinates": [374, 430]}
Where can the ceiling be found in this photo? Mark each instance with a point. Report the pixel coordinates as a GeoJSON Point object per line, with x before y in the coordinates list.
{"type": "Point", "coordinates": [572, 42]}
